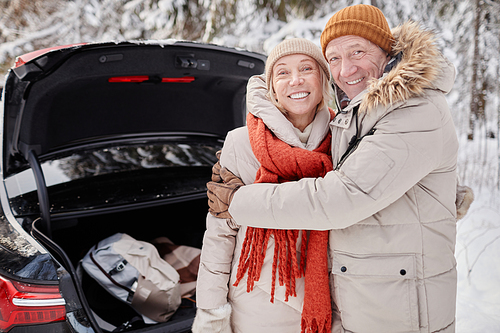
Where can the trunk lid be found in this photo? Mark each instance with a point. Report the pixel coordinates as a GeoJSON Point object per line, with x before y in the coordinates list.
{"type": "Point", "coordinates": [87, 92]}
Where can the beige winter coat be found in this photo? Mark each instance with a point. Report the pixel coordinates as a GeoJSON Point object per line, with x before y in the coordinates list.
{"type": "Point", "coordinates": [251, 312]}
{"type": "Point", "coordinates": [390, 206]}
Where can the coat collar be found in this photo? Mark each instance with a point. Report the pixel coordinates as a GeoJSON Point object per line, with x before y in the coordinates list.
{"type": "Point", "coordinates": [417, 65]}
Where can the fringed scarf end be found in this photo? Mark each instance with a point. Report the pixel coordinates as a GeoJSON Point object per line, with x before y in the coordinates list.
{"type": "Point", "coordinates": [311, 325]}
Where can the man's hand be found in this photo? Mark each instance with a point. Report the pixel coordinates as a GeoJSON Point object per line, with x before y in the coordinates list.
{"type": "Point", "coordinates": [221, 194]}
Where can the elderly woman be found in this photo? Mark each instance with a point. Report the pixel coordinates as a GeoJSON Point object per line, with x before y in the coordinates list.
{"type": "Point", "coordinates": [261, 280]}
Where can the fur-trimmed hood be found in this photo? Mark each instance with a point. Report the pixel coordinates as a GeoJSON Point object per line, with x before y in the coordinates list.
{"type": "Point", "coordinates": [421, 66]}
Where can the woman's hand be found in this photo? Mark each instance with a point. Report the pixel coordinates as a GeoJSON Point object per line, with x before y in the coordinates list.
{"type": "Point", "coordinates": [213, 320]}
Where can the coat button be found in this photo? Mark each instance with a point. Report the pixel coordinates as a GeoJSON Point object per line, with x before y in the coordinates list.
{"type": "Point", "coordinates": [343, 269]}
{"type": "Point", "coordinates": [402, 272]}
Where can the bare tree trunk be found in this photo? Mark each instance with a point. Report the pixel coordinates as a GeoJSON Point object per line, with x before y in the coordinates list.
{"type": "Point", "coordinates": [498, 143]}
{"type": "Point", "coordinates": [497, 89]}
{"type": "Point", "coordinates": [477, 101]}
{"type": "Point", "coordinates": [475, 56]}
{"type": "Point", "coordinates": [282, 11]}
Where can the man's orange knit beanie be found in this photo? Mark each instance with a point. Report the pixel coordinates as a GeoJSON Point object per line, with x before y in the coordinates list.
{"type": "Point", "coordinates": [360, 20]}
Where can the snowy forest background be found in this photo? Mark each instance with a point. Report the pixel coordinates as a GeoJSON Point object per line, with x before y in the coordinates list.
{"type": "Point", "coordinates": [469, 35]}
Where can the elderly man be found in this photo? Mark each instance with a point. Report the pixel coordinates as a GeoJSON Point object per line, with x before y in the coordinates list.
{"type": "Point", "coordinates": [390, 202]}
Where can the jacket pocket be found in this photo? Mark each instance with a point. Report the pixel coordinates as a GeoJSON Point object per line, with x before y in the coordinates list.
{"type": "Point", "coordinates": [376, 293]}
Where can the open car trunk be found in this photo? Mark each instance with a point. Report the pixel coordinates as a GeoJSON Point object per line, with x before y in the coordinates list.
{"type": "Point", "coordinates": [118, 138]}
{"type": "Point", "coordinates": [183, 223]}
{"type": "Point", "coordinates": [125, 187]}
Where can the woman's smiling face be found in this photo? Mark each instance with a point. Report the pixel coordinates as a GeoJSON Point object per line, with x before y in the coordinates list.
{"type": "Point", "coordinates": [298, 87]}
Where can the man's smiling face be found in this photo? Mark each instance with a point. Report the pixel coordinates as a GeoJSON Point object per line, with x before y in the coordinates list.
{"type": "Point", "coordinates": [353, 62]}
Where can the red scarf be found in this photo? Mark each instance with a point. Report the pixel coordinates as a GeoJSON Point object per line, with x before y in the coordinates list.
{"type": "Point", "coordinates": [280, 163]}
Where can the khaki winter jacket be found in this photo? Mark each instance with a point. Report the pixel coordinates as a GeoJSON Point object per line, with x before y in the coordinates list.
{"type": "Point", "coordinates": [251, 312]}
{"type": "Point", "coordinates": [390, 205]}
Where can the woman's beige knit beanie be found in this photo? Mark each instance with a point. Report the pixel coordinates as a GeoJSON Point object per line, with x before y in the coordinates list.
{"type": "Point", "coordinates": [294, 46]}
{"type": "Point", "coordinates": [360, 20]}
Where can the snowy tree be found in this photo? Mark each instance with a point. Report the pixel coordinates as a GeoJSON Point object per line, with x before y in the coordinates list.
{"type": "Point", "coordinates": [475, 40]}
{"type": "Point", "coordinates": [258, 25]}
{"type": "Point", "coordinates": [17, 18]}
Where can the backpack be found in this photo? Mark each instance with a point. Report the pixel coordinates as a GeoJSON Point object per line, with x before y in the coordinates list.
{"type": "Point", "coordinates": [133, 272]}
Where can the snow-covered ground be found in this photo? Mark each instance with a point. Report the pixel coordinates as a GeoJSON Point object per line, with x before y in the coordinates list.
{"type": "Point", "coordinates": [478, 257]}
{"type": "Point", "coordinates": [478, 240]}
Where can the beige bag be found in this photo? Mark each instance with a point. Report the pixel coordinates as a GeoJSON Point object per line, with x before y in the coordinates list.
{"type": "Point", "coordinates": [185, 259]}
{"type": "Point", "coordinates": [133, 272]}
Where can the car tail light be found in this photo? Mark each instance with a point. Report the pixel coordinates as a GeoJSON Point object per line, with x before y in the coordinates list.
{"type": "Point", "coordinates": [185, 79]}
{"type": "Point", "coordinates": [144, 78]}
{"type": "Point", "coordinates": [29, 304]}
{"type": "Point", "coordinates": [137, 78]}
